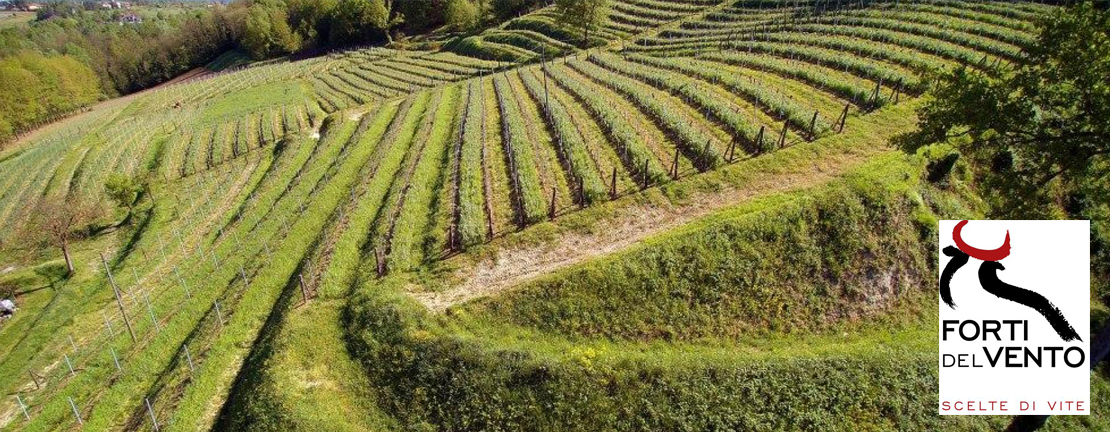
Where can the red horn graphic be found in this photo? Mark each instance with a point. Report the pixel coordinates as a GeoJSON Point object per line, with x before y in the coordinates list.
{"type": "Point", "coordinates": [982, 254]}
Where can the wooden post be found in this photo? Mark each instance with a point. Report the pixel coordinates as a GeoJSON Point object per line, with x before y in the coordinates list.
{"type": "Point", "coordinates": [813, 125]}
{"type": "Point", "coordinates": [843, 117]}
{"type": "Point", "coordinates": [35, 379]}
{"type": "Point", "coordinates": [551, 206]}
{"type": "Point", "coordinates": [704, 156]}
{"type": "Point", "coordinates": [878, 90]}
{"type": "Point", "coordinates": [613, 185]}
{"type": "Point", "coordinates": [380, 262]}
{"type": "Point", "coordinates": [674, 164]}
{"type": "Point", "coordinates": [897, 91]}
{"type": "Point", "coordinates": [731, 149]}
{"type": "Point", "coordinates": [759, 139]}
{"type": "Point", "coordinates": [782, 136]}
{"type": "Point", "coordinates": [304, 289]}
{"type": "Point", "coordinates": [119, 301]}
{"type": "Point", "coordinates": [645, 173]}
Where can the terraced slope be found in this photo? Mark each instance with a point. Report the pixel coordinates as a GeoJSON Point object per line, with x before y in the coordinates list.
{"type": "Point", "coordinates": [381, 239]}
{"type": "Point", "coordinates": [541, 34]}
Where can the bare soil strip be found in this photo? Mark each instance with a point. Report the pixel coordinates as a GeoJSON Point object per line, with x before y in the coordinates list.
{"type": "Point", "coordinates": [512, 266]}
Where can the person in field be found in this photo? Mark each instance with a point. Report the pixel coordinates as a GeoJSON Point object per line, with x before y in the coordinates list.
{"type": "Point", "coordinates": [7, 308]}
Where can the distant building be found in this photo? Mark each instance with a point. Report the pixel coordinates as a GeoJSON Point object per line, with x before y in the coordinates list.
{"type": "Point", "coordinates": [130, 19]}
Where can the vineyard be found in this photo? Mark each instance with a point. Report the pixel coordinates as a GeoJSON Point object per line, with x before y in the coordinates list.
{"type": "Point", "coordinates": [509, 233]}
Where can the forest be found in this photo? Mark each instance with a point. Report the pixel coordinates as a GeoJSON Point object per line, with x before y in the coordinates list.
{"type": "Point", "coordinates": [79, 54]}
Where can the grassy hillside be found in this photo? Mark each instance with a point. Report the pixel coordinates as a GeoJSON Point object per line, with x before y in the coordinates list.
{"type": "Point", "coordinates": [698, 223]}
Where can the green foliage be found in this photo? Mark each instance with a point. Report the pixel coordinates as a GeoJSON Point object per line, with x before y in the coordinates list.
{"type": "Point", "coordinates": [470, 196]}
{"type": "Point", "coordinates": [462, 15]}
{"type": "Point", "coordinates": [122, 189]}
{"type": "Point", "coordinates": [529, 202]}
{"type": "Point", "coordinates": [793, 265]}
{"type": "Point", "coordinates": [267, 32]}
{"type": "Point", "coordinates": [569, 141]}
{"type": "Point", "coordinates": [469, 372]}
{"type": "Point", "coordinates": [586, 15]}
{"type": "Point", "coordinates": [34, 87]}
{"type": "Point", "coordinates": [1036, 137]}
{"type": "Point", "coordinates": [780, 106]}
{"type": "Point", "coordinates": [633, 152]}
{"type": "Point", "coordinates": [832, 59]}
{"type": "Point", "coordinates": [681, 85]}
{"type": "Point", "coordinates": [359, 21]}
{"type": "Point", "coordinates": [694, 142]}
{"type": "Point", "coordinates": [130, 57]}
{"type": "Point", "coordinates": [1030, 131]}
{"type": "Point", "coordinates": [504, 10]}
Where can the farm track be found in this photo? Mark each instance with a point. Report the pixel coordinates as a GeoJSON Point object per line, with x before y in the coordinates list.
{"type": "Point", "coordinates": [630, 225]}
{"type": "Point", "coordinates": [483, 168]}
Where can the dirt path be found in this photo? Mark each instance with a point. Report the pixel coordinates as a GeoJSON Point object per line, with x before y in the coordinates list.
{"type": "Point", "coordinates": [632, 224]}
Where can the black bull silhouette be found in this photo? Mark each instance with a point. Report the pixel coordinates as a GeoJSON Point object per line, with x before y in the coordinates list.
{"type": "Point", "coordinates": [988, 278]}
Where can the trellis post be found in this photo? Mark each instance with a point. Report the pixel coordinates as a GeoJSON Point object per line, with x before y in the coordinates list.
{"type": "Point", "coordinates": [759, 139]}
{"type": "Point", "coordinates": [551, 206]}
{"type": "Point", "coordinates": [23, 407]}
{"type": "Point", "coordinates": [813, 125]}
{"type": "Point", "coordinates": [304, 289]}
{"type": "Point", "coordinates": [76, 414]}
{"type": "Point", "coordinates": [613, 185]}
{"type": "Point", "coordinates": [674, 164]}
{"type": "Point", "coordinates": [119, 300]}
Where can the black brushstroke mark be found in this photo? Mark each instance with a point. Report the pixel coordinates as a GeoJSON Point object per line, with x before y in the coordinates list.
{"type": "Point", "coordinates": [988, 278]}
{"type": "Point", "coordinates": [958, 260]}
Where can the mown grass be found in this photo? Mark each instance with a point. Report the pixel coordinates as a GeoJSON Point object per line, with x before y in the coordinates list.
{"type": "Point", "coordinates": [240, 103]}
{"type": "Point", "coordinates": [447, 372]}
{"type": "Point", "coordinates": [792, 264]}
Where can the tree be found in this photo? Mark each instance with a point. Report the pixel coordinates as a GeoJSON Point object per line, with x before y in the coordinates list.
{"type": "Point", "coordinates": [1036, 133]}
{"type": "Point", "coordinates": [583, 14]}
{"type": "Point", "coordinates": [1035, 137]}
{"type": "Point", "coordinates": [359, 21]}
{"type": "Point", "coordinates": [504, 10]}
{"type": "Point", "coordinates": [122, 189]}
{"type": "Point", "coordinates": [311, 19]}
{"type": "Point", "coordinates": [462, 15]}
{"type": "Point", "coordinates": [56, 221]}
{"type": "Point", "coordinates": [268, 33]}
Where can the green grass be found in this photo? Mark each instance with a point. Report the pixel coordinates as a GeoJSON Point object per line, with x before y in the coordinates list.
{"type": "Point", "coordinates": [14, 19]}
{"type": "Point", "coordinates": [444, 371]}
{"type": "Point", "coordinates": [241, 103]}
{"type": "Point", "coordinates": [229, 59]}
{"type": "Point", "coordinates": [772, 302]}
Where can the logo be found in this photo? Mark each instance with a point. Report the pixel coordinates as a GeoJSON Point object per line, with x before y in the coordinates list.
{"type": "Point", "coordinates": [1013, 317]}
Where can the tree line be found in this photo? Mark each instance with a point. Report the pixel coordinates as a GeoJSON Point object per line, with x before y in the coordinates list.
{"type": "Point", "coordinates": [77, 53]}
